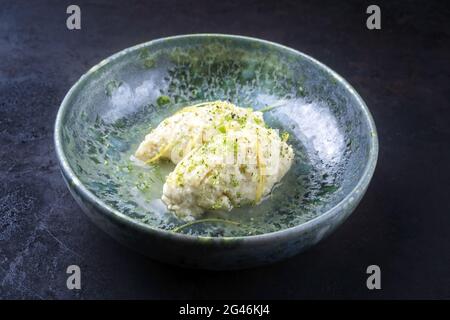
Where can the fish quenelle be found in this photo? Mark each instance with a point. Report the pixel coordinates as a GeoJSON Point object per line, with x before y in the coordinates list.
{"type": "Point", "coordinates": [225, 157]}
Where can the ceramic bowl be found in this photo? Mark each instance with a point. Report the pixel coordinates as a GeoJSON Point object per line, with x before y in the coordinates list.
{"type": "Point", "coordinates": [109, 110]}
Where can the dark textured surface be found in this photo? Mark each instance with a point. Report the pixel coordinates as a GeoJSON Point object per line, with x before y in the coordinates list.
{"type": "Point", "coordinates": [402, 224]}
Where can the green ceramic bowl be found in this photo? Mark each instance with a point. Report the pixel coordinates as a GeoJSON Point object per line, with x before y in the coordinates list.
{"type": "Point", "coordinates": [113, 106]}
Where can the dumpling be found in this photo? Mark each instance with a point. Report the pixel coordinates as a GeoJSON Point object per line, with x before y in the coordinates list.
{"type": "Point", "coordinates": [234, 169]}
{"type": "Point", "coordinates": [226, 157]}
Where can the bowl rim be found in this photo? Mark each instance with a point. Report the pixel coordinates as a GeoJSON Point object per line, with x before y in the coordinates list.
{"type": "Point", "coordinates": [98, 203]}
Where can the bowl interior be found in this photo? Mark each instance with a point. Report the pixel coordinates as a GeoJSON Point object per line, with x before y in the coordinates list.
{"type": "Point", "coordinates": [115, 105]}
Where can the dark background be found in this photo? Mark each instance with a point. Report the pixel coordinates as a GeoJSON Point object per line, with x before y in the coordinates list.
{"type": "Point", "coordinates": [402, 224]}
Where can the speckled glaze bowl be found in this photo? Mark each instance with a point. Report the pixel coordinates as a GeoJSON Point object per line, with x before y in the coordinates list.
{"type": "Point", "coordinates": [110, 109]}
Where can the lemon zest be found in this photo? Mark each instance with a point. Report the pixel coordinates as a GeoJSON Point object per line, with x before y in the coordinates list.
{"type": "Point", "coordinates": [160, 153]}
{"type": "Point", "coordinates": [261, 171]}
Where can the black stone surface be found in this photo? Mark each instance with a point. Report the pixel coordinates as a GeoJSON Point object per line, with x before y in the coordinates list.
{"type": "Point", "coordinates": [402, 224]}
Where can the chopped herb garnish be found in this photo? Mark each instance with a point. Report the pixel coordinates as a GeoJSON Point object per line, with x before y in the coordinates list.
{"type": "Point", "coordinates": [162, 100]}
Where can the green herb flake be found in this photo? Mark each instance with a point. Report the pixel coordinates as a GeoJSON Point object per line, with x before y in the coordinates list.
{"type": "Point", "coordinates": [162, 100]}
{"type": "Point", "coordinates": [217, 205]}
{"type": "Point", "coordinates": [242, 121]}
{"type": "Point", "coordinates": [234, 182]}
{"type": "Point", "coordinates": [235, 149]}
